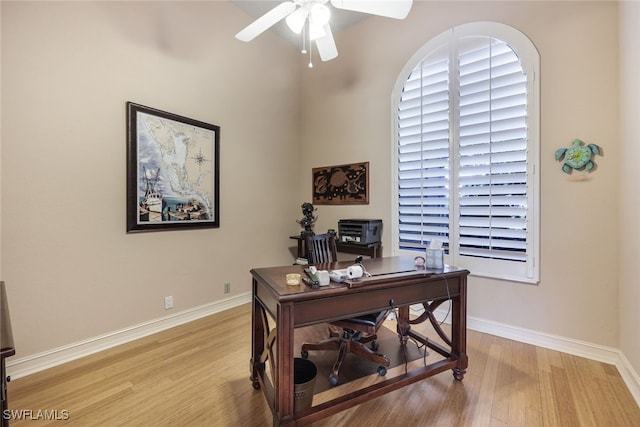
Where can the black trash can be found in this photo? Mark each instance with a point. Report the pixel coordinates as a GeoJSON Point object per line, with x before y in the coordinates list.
{"type": "Point", "coordinates": [304, 378]}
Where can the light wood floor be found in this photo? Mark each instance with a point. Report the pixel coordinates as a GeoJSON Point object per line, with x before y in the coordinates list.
{"type": "Point", "coordinates": [198, 375]}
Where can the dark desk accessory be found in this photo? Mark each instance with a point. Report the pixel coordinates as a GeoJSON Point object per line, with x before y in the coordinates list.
{"type": "Point", "coordinates": [308, 220]}
{"type": "Point", "coordinates": [311, 279]}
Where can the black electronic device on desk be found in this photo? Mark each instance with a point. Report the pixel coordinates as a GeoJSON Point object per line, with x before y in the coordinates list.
{"type": "Point", "coordinates": [360, 231]}
{"type": "Point", "coordinates": [312, 278]}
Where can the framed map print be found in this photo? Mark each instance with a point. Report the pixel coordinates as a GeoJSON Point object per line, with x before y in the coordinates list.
{"type": "Point", "coordinates": [172, 171]}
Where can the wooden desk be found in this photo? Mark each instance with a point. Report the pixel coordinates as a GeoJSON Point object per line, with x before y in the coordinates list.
{"type": "Point", "coordinates": [393, 278]}
{"type": "Point", "coordinates": [373, 250]}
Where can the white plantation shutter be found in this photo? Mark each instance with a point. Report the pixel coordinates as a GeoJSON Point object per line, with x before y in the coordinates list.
{"type": "Point", "coordinates": [423, 155]}
{"type": "Point", "coordinates": [466, 155]}
{"type": "Point", "coordinates": [492, 138]}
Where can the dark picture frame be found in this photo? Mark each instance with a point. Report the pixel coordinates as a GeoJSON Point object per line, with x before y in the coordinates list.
{"type": "Point", "coordinates": [173, 171]}
{"type": "Point", "coordinates": [341, 185]}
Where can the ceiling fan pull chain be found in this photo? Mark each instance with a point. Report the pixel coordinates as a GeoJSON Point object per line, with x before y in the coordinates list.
{"type": "Point", "coordinates": [304, 40]}
{"type": "Point", "coordinates": [310, 50]}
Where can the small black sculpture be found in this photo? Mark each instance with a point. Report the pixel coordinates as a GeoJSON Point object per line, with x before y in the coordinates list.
{"type": "Point", "coordinates": [308, 220]}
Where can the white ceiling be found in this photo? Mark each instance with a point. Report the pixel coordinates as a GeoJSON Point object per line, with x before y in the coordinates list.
{"type": "Point", "coordinates": [340, 19]}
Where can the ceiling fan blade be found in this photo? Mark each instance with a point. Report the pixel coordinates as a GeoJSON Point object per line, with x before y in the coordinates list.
{"type": "Point", "coordinates": [326, 45]}
{"type": "Point", "coordinates": [267, 20]}
{"type": "Point", "coordinates": [398, 9]}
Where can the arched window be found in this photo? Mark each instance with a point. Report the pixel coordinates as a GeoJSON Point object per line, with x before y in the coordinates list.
{"type": "Point", "coordinates": [466, 110]}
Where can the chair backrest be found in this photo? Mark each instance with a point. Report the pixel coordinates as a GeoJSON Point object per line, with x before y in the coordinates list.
{"type": "Point", "coordinates": [321, 248]}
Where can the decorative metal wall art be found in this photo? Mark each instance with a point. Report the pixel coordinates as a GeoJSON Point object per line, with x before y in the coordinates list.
{"type": "Point", "coordinates": [341, 185]}
{"type": "Point", "coordinates": [579, 156]}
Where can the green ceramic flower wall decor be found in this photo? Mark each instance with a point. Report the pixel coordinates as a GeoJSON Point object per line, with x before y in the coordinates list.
{"type": "Point", "coordinates": [579, 156]}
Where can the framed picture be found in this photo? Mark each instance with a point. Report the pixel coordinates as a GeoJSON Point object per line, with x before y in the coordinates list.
{"type": "Point", "coordinates": [341, 185]}
{"type": "Point", "coordinates": [173, 171]}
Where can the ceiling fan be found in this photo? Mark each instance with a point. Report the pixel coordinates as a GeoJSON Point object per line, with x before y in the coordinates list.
{"type": "Point", "coordinates": [314, 15]}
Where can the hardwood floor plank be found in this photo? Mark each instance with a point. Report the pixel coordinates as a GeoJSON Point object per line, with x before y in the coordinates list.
{"type": "Point", "coordinates": [548, 358]}
{"type": "Point", "coordinates": [549, 404]}
{"type": "Point", "coordinates": [504, 387]}
{"type": "Point", "coordinates": [198, 375]}
{"type": "Point", "coordinates": [482, 414]}
{"type": "Point", "coordinates": [580, 390]}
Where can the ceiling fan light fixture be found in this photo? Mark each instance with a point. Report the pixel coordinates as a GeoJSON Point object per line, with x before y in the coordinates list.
{"type": "Point", "coordinates": [296, 20]}
{"type": "Point", "coordinates": [311, 18]}
{"type": "Point", "coordinates": [319, 14]}
{"type": "Point", "coordinates": [316, 31]}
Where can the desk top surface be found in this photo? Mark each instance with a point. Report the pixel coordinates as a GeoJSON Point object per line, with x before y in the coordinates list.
{"type": "Point", "coordinates": [384, 271]}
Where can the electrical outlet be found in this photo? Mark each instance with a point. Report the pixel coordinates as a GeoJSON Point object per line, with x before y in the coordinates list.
{"type": "Point", "coordinates": [168, 302]}
{"type": "Point", "coordinates": [227, 288]}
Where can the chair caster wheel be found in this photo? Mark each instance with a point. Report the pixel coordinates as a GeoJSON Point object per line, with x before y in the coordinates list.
{"type": "Point", "coordinates": [333, 380]}
{"type": "Point", "coordinates": [304, 354]}
{"type": "Point", "coordinates": [382, 371]}
{"type": "Point", "coordinates": [374, 345]}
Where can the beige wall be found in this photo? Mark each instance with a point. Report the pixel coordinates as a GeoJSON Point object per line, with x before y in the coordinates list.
{"type": "Point", "coordinates": [630, 201]}
{"type": "Point", "coordinates": [67, 70]}
{"type": "Point", "coordinates": [347, 118]}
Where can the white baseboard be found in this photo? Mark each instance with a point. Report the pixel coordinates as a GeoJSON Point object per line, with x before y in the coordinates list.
{"type": "Point", "coordinates": [588, 350]}
{"type": "Point", "coordinates": [629, 376]}
{"type": "Point", "coordinates": [584, 349]}
{"type": "Point", "coordinates": [38, 362]}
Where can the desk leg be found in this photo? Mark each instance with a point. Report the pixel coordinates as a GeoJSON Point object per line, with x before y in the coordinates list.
{"type": "Point", "coordinates": [403, 327]}
{"type": "Point", "coordinates": [459, 330]}
{"type": "Point", "coordinates": [257, 340]}
{"type": "Point", "coordinates": [458, 341]}
{"type": "Point", "coordinates": [284, 366]}
{"type": "Point", "coordinates": [3, 392]}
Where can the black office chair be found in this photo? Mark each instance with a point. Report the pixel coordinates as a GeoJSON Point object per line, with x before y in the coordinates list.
{"type": "Point", "coordinates": [345, 335]}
